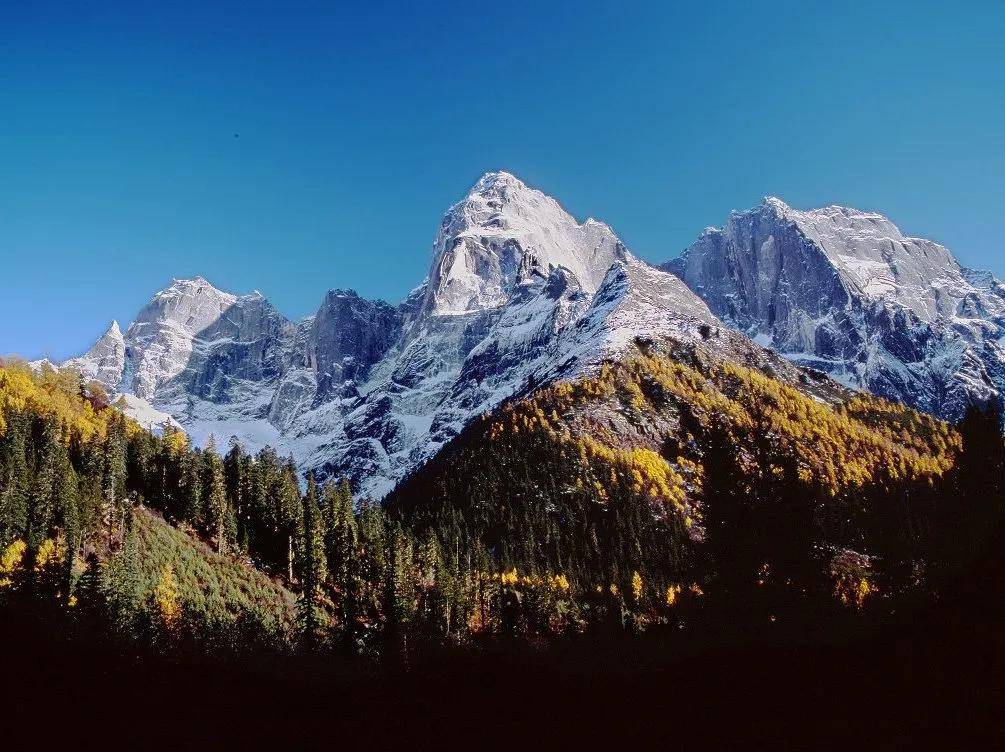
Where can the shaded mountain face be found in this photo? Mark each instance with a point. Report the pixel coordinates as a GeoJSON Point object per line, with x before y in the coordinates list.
{"type": "Point", "coordinates": [519, 294]}
{"type": "Point", "coordinates": [844, 291]}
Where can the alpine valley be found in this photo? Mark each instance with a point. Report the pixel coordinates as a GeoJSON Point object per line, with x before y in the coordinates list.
{"type": "Point", "coordinates": [519, 294]}
{"type": "Point", "coordinates": [773, 468]}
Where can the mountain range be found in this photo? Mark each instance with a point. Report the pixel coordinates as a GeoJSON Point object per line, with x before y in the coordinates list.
{"type": "Point", "coordinates": [520, 294]}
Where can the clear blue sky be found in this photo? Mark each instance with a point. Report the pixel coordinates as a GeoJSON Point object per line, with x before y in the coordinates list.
{"type": "Point", "coordinates": [360, 124]}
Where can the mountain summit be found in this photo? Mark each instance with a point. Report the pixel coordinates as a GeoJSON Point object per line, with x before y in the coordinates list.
{"type": "Point", "coordinates": [846, 292]}
{"type": "Point", "coordinates": [519, 293]}
{"type": "Point", "coordinates": [504, 234]}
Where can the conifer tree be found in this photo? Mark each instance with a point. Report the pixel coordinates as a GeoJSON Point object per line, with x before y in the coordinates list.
{"type": "Point", "coordinates": [288, 516]}
{"type": "Point", "coordinates": [123, 579]}
{"type": "Point", "coordinates": [68, 495]}
{"type": "Point", "coordinates": [341, 534]}
{"type": "Point", "coordinates": [341, 543]}
{"type": "Point", "coordinates": [15, 478]}
{"type": "Point", "coordinates": [216, 498]}
{"type": "Point", "coordinates": [167, 603]}
{"type": "Point", "coordinates": [235, 471]}
{"type": "Point", "coordinates": [400, 585]}
{"type": "Point", "coordinates": [311, 567]}
{"type": "Point", "coordinates": [978, 483]}
{"type": "Point", "coordinates": [42, 500]}
{"type": "Point", "coordinates": [114, 475]}
{"type": "Point", "coordinates": [189, 488]}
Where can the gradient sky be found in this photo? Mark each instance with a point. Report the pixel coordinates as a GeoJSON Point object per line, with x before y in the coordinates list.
{"type": "Point", "coordinates": [295, 147]}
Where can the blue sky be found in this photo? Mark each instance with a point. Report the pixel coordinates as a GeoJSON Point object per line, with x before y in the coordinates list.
{"type": "Point", "coordinates": [358, 125]}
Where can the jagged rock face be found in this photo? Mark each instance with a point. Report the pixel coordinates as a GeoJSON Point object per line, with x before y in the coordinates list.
{"type": "Point", "coordinates": [502, 235]}
{"type": "Point", "coordinates": [519, 293]}
{"type": "Point", "coordinates": [193, 338]}
{"type": "Point", "coordinates": [106, 360]}
{"type": "Point", "coordinates": [846, 292]}
{"type": "Point", "coordinates": [348, 336]}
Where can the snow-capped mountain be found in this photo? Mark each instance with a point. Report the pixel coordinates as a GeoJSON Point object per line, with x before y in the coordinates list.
{"type": "Point", "coordinates": [518, 293]}
{"type": "Point", "coordinates": [846, 292]}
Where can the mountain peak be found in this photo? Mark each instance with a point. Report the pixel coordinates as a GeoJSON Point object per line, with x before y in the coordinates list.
{"type": "Point", "coordinates": [775, 203]}
{"type": "Point", "coordinates": [844, 290]}
{"type": "Point", "coordinates": [191, 285]}
{"type": "Point", "coordinates": [106, 358]}
{"type": "Point", "coordinates": [504, 230]}
{"type": "Point", "coordinates": [498, 180]}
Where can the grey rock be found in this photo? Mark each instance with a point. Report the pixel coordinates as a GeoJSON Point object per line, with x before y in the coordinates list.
{"type": "Point", "coordinates": [844, 291]}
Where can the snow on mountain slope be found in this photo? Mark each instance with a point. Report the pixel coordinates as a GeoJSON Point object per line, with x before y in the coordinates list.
{"type": "Point", "coordinates": [846, 292]}
{"type": "Point", "coordinates": [518, 293]}
{"type": "Point", "coordinates": [105, 361]}
{"type": "Point", "coordinates": [144, 413]}
{"type": "Point", "coordinates": [500, 235]}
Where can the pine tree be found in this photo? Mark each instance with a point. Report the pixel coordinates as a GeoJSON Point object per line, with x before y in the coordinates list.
{"type": "Point", "coordinates": [42, 501]}
{"type": "Point", "coordinates": [189, 490]}
{"type": "Point", "coordinates": [114, 475]}
{"type": "Point", "coordinates": [235, 471]}
{"type": "Point", "coordinates": [89, 596]}
{"type": "Point", "coordinates": [288, 514]}
{"type": "Point", "coordinates": [400, 584]}
{"type": "Point", "coordinates": [726, 497]}
{"type": "Point", "coordinates": [978, 482]}
{"type": "Point", "coordinates": [68, 495]}
{"type": "Point", "coordinates": [167, 603]}
{"type": "Point", "coordinates": [123, 580]}
{"type": "Point", "coordinates": [312, 567]}
{"type": "Point", "coordinates": [430, 565]}
{"type": "Point", "coordinates": [217, 510]}
{"type": "Point", "coordinates": [15, 478]}
{"type": "Point", "coordinates": [341, 538]}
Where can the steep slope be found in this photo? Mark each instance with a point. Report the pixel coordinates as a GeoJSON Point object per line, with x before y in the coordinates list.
{"type": "Point", "coordinates": [675, 461]}
{"type": "Point", "coordinates": [519, 293]}
{"type": "Point", "coordinates": [76, 560]}
{"type": "Point", "coordinates": [500, 236]}
{"type": "Point", "coordinates": [213, 590]}
{"type": "Point", "coordinates": [106, 360]}
{"type": "Point", "coordinates": [207, 358]}
{"type": "Point", "coordinates": [846, 292]}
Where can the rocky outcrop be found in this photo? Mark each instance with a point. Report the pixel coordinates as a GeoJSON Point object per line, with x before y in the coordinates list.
{"type": "Point", "coordinates": [844, 291]}
{"type": "Point", "coordinates": [106, 360]}
{"type": "Point", "coordinates": [348, 336]}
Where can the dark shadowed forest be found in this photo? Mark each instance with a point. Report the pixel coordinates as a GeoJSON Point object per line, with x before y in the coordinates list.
{"type": "Point", "coordinates": [786, 565]}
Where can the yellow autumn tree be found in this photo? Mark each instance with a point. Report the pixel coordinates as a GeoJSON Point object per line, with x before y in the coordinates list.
{"type": "Point", "coordinates": [10, 561]}
{"type": "Point", "coordinates": [166, 600]}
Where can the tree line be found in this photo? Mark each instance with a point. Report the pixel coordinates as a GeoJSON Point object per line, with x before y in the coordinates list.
{"type": "Point", "coordinates": [507, 533]}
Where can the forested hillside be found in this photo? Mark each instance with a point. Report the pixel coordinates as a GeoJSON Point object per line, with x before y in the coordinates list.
{"type": "Point", "coordinates": [669, 489]}
{"type": "Point", "coordinates": [676, 477]}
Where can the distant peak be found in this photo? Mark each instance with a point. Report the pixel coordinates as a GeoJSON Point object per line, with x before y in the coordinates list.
{"type": "Point", "coordinates": [187, 286]}
{"type": "Point", "coordinates": [830, 210]}
{"type": "Point", "coordinates": [113, 330]}
{"type": "Point", "coordinates": [498, 179]}
{"type": "Point", "coordinates": [185, 281]}
{"type": "Point", "coordinates": [499, 187]}
{"type": "Point", "coordinates": [338, 293]}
